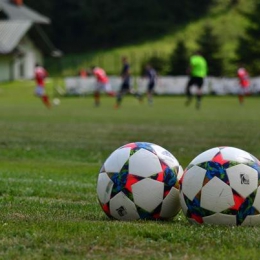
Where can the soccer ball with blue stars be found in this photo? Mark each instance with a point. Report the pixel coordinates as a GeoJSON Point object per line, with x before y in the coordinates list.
{"type": "Point", "coordinates": [221, 186]}
{"type": "Point", "coordinates": [140, 180]}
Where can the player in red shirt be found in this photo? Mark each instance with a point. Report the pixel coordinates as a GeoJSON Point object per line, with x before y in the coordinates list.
{"type": "Point", "coordinates": [244, 82]}
{"type": "Point", "coordinates": [102, 84]}
{"type": "Point", "coordinates": [40, 74]}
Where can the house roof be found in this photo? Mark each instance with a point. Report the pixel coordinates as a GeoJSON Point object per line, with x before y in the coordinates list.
{"type": "Point", "coordinates": [11, 32]}
{"type": "Point", "coordinates": [22, 12]}
{"type": "Point", "coordinates": [22, 20]}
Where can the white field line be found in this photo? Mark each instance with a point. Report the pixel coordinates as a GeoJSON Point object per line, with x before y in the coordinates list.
{"type": "Point", "coordinates": [49, 181]}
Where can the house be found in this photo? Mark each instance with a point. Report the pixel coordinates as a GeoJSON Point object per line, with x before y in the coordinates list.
{"type": "Point", "coordinates": [22, 40]}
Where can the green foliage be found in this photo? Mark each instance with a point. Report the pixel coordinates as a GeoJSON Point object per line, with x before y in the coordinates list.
{"type": "Point", "coordinates": [49, 165]}
{"type": "Point", "coordinates": [226, 19]}
{"type": "Point", "coordinates": [179, 59]}
{"type": "Point", "coordinates": [82, 25]}
{"type": "Point", "coordinates": [210, 47]}
{"type": "Point", "coordinates": [96, 30]}
{"type": "Point", "coordinates": [248, 50]}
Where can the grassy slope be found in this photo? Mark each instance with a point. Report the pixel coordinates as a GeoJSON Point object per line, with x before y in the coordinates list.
{"type": "Point", "coordinates": [50, 160]}
{"type": "Point", "coordinates": [228, 23]}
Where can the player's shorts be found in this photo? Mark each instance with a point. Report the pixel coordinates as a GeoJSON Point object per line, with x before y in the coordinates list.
{"type": "Point", "coordinates": [197, 81]}
{"type": "Point", "coordinates": [125, 85]}
{"type": "Point", "coordinates": [151, 86]}
{"type": "Point", "coordinates": [243, 91]}
{"type": "Point", "coordinates": [103, 87]}
{"type": "Point", "coordinates": [39, 91]}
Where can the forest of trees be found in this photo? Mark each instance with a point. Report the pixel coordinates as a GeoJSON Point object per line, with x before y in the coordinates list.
{"type": "Point", "coordinates": [79, 25]}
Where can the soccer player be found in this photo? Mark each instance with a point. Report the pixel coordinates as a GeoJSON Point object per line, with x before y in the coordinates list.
{"type": "Point", "coordinates": [102, 84]}
{"type": "Point", "coordinates": [198, 71]}
{"type": "Point", "coordinates": [151, 74]}
{"type": "Point", "coordinates": [125, 85]}
{"type": "Point", "coordinates": [244, 83]}
{"type": "Point", "coordinates": [40, 74]}
{"type": "Point", "coordinates": [83, 73]}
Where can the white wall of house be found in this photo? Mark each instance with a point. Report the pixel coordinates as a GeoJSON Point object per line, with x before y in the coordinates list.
{"type": "Point", "coordinates": [23, 65]}
{"type": "Point", "coordinates": [20, 65]}
{"type": "Point", "coordinates": [5, 67]}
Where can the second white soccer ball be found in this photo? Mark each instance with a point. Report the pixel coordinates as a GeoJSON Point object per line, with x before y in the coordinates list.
{"type": "Point", "coordinates": [221, 186]}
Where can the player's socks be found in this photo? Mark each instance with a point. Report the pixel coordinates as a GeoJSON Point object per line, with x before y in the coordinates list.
{"type": "Point", "coordinates": [46, 101]}
{"type": "Point", "coordinates": [198, 101]}
{"type": "Point", "coordinates": [97, 99]}
{"type": "Point", "coordinates": [111, 94]}
{"type": "Point", "coordinates": [117, 104]}
{"type": "Point", "coordinates": [118, 101]}
{"type": "Point", "coordinates": [188, 101]}
{"type": "Point", "coordinates": [241, 99]}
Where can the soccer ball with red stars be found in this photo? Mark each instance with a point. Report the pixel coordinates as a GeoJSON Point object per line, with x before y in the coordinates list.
{"type": "Point", "coordinates": [140, 180]}
{"type": "Point", "coordinates": [221, 186]}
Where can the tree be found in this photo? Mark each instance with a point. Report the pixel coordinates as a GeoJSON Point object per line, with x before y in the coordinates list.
{"type": "Point", "coordinates": [210, 47]}
{"type": "Point", "coordinates": [248, 50]}
{"type": "Point", "coordinates": [179, 59]}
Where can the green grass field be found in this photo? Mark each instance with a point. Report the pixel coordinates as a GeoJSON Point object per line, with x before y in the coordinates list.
{"type": "Point", "coordinates": [49, 165]}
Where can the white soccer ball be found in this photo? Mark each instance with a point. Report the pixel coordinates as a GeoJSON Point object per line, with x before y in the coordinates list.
{"type": "Point", "coordinates": [140, 181]}
{"type": "Point", "coordinates": [56, 101]}
{"type": "Point", "coordinates": [221, 186]}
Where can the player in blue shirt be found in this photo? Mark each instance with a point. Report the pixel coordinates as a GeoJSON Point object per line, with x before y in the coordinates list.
{"type": "Point", "coordinates": [151, 75]}
{"type": "Point", "coordinates": [125, 85]}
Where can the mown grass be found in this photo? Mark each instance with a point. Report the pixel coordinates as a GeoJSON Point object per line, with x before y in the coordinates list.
{"type": "Point", "coordinates": [50, 160]}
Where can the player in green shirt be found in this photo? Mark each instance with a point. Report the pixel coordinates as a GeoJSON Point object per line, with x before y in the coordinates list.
{"type": "Point", "coordinates": [198, 71]}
